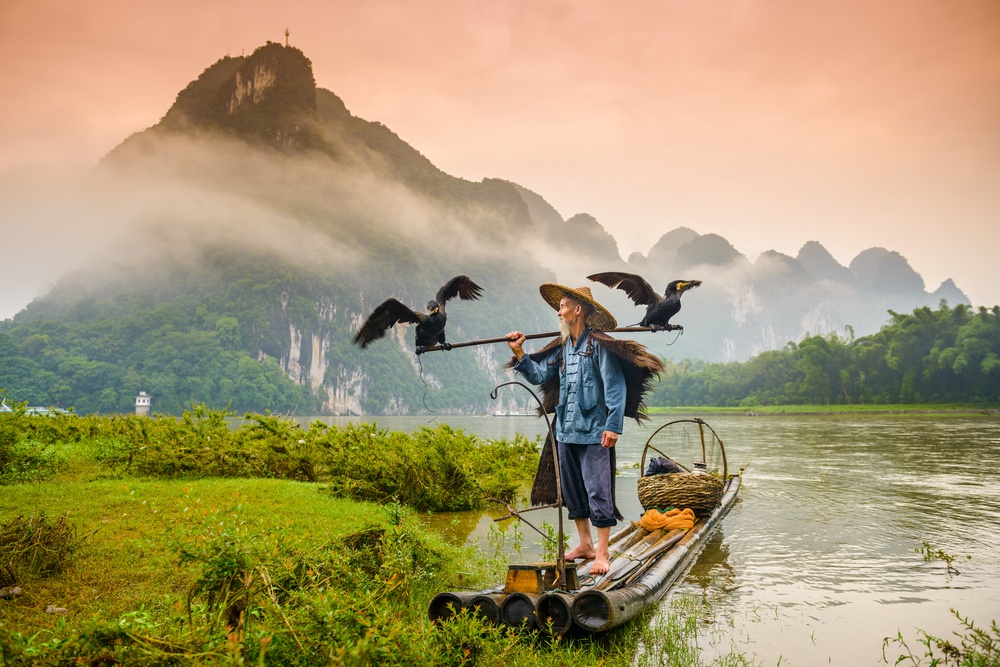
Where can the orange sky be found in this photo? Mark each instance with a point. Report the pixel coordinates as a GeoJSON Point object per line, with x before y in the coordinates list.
{"type": "Point", "coordinates": [772, 123]}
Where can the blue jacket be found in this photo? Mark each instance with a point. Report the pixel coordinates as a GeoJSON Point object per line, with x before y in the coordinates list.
{"type": "Point", "coordinates": [591, 388]}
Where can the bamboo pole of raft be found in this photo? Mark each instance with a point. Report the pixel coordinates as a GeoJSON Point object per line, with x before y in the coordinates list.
{"type": "Point", "coordinates": [518, 610]}
{"type": "Point", "coordinates": [447, 604]}
{"type": "Point", "coordinates": [487, 606]}
{"type": "Point", "coordinates": [547, 334]}
{"type": "Point", "coordinates": [554, 613]}
{"type": "Point", "coordinates": [616, 547]}
{"type": "Point", "coordinates": [637, 564]}
{"type": "Point", "coordinates": [598, 611]}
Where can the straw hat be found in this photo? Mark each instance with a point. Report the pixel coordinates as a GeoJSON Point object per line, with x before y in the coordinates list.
{"type": "Point", "coordinates": [599, 318]}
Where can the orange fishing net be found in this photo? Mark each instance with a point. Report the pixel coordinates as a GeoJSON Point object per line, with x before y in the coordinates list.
{"type": "Point", "coordinates": [669, 520]}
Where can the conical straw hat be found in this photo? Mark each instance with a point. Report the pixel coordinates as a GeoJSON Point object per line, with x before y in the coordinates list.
{"type": "Point", "coordinates": [599, 319]}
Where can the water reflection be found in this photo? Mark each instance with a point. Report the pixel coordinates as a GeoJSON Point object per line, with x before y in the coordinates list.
{"type": "Point", "coordinates": [455, 527]}
{"type": "Point", "coordinates": [712, 575]}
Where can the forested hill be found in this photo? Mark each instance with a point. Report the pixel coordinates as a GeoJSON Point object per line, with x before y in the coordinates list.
{"type": "Point", "coordinates": [268, 223]}
{"type": "Point", "coordinates": [265, 222]}
{"type": "Point", "coordinates": [948, 355]}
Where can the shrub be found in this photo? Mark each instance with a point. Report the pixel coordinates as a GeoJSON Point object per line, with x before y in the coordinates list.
{"type": "Point", "coordinates": [433, 470]}
{"type": "Point", "coordinates": [24, 458]}
{"type": "Point", "coordinates": [35, 545]}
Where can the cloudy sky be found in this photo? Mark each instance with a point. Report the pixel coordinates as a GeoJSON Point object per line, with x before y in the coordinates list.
{"type": "Point", "coordinates": [770, 122]}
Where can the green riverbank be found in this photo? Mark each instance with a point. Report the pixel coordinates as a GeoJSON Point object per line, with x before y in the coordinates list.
{"type": "Point", "coordinates": [141, 541]}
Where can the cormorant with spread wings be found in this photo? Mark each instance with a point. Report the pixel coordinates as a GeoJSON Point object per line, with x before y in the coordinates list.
{"type": "Point", "coordinates": [430, 325]}
{"type": "Point", "coordinates": [659, 309]}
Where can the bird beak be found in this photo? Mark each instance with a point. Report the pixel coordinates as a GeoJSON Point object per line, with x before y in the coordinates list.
{"type": "Point", "coordinates": [688, 284]}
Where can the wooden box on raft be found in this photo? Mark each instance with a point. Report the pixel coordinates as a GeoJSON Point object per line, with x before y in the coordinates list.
{"type": "Point", "coordinates": [538, 578]}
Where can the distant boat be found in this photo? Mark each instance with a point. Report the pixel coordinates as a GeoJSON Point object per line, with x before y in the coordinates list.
{"type": "Point", "coordinates": [39, 410]}
{"type": "Point", "coordinates": [514, 413]}
{"type": "Point", "coordinates": [35, 410]}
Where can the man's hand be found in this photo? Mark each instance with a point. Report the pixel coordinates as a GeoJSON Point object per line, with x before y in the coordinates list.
{"type": "Point", "coordinates": [514, 340]}
{"type": "Point", "coordinates": [609, 439]}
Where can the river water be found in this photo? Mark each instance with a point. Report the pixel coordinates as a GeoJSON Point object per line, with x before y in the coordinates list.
{"type": "Point", "coordinates": [823, 554]}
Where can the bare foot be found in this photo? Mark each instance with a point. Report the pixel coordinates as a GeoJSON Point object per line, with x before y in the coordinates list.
{"type": "Point", "coordinates": [601, 565]}
{"type": "Point", "coordinates": [581, 552]}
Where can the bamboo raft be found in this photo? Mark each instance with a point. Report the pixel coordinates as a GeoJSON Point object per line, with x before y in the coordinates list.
{"type": "Point", "coordinates": [644, 563]}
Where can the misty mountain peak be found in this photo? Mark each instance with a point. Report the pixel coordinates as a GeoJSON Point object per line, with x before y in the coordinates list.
{"type": "Point", "coordinates": [585, 232]}
{"type": "Point", "coordinates": [268, 96]}
{"type": "Point", "coordinates": [821, 264]}
{"type": "Point", "coordinates": [710, 250]}
{"type": "Point", "coordinates": [885, 271]}
{"type": "Point", "coordinates": [664, 251]}
{"type": "Point", "coordinates": [949, 291]}
{"type": "Point", "coordinates": [269, 214]}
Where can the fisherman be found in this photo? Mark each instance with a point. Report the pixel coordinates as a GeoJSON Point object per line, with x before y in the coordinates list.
{"type": "Point", "coordinates": [589, 415]}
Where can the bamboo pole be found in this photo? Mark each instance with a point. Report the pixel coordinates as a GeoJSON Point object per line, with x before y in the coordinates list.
{"type": "Point", "coordinates": [547, 334]}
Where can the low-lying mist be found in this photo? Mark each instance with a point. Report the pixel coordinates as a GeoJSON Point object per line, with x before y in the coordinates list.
{"type": "Point", "coordinates": [164, 200]}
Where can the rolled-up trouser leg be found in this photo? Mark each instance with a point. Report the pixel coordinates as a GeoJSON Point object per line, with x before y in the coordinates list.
{"type": "Point", "coordinates": [587, 479]}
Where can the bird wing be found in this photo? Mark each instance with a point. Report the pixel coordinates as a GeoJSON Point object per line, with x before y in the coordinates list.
{"type": "Point", "coordinates": [635, 286]}
{"type": "Point", "coordinates": [387, 314]}
{"type": "Point", "coordinates": [460, 286]}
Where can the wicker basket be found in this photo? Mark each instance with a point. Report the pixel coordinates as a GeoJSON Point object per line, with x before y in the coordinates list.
{"type": "Point", "coordinates": [699, 491]}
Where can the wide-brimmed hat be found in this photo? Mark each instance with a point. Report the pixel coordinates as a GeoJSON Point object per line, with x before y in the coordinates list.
{"type": "Point", "coordinates": [599, 317]}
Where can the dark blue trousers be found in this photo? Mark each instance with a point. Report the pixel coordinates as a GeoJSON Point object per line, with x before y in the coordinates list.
{"type": "Point", "coordinates": [588, 477]}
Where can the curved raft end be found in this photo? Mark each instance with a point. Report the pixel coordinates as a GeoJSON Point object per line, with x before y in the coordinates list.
{"type": "Point", "coordinates": [518, 610]}
{"type": "Point", "coordinates": [487, 606]}
{"type": "Point", "coordinates": [592, 610]}
{"type": "Point", "coordinates": [445, 605]}
{"type": "Point", "coordinates": [555, 613]}
{"type": "Point", "coordinates": [598, 611]}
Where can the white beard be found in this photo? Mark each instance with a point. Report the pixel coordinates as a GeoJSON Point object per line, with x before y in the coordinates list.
{"type": "Point", "coordinates": [563, 330]}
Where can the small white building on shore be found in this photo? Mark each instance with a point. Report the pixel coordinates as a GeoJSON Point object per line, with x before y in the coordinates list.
{"type": "Point", "coordinates": [143, 403]}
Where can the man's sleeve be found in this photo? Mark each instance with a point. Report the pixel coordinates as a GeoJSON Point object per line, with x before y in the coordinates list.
{"type": "Point", "coordinates": [536, 372]}
{"type": "Point", "coordinates": [614, 389]}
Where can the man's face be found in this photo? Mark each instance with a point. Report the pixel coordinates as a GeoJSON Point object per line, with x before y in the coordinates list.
{"type": "Point", "coordinates": [569, 310]}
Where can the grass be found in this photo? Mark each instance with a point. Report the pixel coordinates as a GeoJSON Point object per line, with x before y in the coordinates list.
{"type": "Point", "coordinates": [128, 579]}
{"type": "Point", "coordinates": [127, 562]}
{"type": "Point", "coordinates": [35, 544]}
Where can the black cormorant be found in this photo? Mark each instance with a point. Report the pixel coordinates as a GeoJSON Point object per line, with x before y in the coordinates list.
{"type": "Point", "coordinates": [430, 325]}
{"type": "Point", "coordinates": [659, 309]}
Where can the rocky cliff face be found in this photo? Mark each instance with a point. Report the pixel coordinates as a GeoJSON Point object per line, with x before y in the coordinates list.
{"type": "Point", "coordinates": [267, 98]}
{"type": "Point", "coordinates": [249, 89]}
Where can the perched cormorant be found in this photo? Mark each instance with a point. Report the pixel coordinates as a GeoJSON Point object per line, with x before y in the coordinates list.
{"type": "Point", "coordinates": [430, 325]}
{"type": "Point", "coordinates": [659, 309]}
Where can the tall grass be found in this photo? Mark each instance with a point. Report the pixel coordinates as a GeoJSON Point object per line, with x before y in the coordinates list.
{"type": "Point", "coordinates": [439, 469]}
